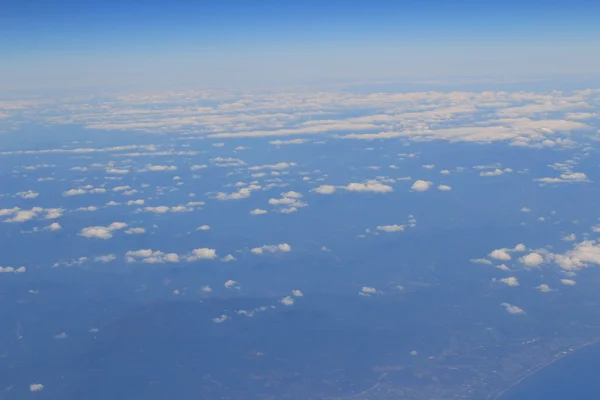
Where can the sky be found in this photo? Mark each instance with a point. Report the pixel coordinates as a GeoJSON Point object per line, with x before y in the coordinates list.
{"type": "Point", "coordinates": [60, 44]}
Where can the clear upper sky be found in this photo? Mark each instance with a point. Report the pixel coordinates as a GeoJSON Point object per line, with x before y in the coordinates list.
{"type": "Point", "coordinates": [51, 43]}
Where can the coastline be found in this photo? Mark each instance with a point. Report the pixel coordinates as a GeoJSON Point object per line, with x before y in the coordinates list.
{"type": "Point", "coordinates": [535, 370]}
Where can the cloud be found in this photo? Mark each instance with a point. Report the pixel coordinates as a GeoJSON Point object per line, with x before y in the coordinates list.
{"type": "Point", "coordinates": [55, 226]}
{"type": "Point", "coordinates": [135, 231]}
{"type": "Point", "coordinates": [495, 172]}
{"type": "Point", "coordinates": [151, 256]}
{"type": "Point", "coordinates": [228, 258]}
{"type": "Point", "coordinates": [480, 261]}
{"type": "Point", "coordinates": [513, 309]}
{"type": "Point", "coordinates": [203, 254]}
{"type": "Point", "coordinates": [283, 248]}
{"type": "Point", "coordinates": [569, 238]}
{"type": "Point", "coordinates": [297, 293]}
{"type": "Point", "coordinates": [150, 167]}
{"type": "Point", "coordinates": [105, 258]}
{"type": "Point", "coordinates": [231, 284]}
{"type": "Point", "coordinates": [543, 288]}
{"type": "Point", "coordinates": [12, 270]}
{"type": "Point", "coordinates": [258, 211]}
{"type": "Point", "coordinates": [102, 232]}
{"type": "Point", "coordinates": [367, 291]}
{"type": "Point", "coordinates": [165, 209]}
{"type": "Point", "coordinates": [580, 257]}
{"type": "Point", "coordinates": [390, 228]}
{"type": "Point", "coordinates": [198, 167]}
{"type": "Point", "coordinates": [220, 319]}
{"type": "Point", "coordinates": [510, 281]}
{"type": "Point", "coordinates": [287, 301]}
{"type": "Point", "coordinates": [500, 254]}
{"type": "Point", "coordinates": [36, 387]}
{"type": "Point", "coordinates": [287, 142]}
{"type": "Point", "coordinates": [281, 165]}
{"type": "Point", "coordinates": [420, 186]}
{"type": "Point", "coordinates": [324, 189]}
{"type": "Point", "coordinates": [532, 259]}
{"type": "Point", "coordinates": [203, 228]}
{"type": "Point", "coordinates": [370, 186]}
{"type": "Point", "coordinates": [444, 187]}
{"type": "Point", "coordinates": [568, 282]}
{"type": "Point", "coordinates": [30, 194]}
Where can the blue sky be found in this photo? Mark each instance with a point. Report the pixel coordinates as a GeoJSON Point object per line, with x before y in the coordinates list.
{"type": "Point", "coordinates": [90, 43]}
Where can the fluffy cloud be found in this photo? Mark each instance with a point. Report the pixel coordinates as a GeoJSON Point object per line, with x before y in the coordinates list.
{"type": "Point", "coordinates": [151, 256]}
{"type": "Point", "coordinates": [420, 186]}
{"type": "Point", "coordinates": [53, 227]}
{"type": "Point", "coordinates": [135, 231]}
{"type": "Point", "coordinates": [367, 291]}
{"type": "Point", "coordinates": [102, 232]}
{"type": "Point", "coordinates": [510, 281]}
{"type": "Point", "coordinates": [581, 256]}
{"type": "Point", "coordinates": [203, 228]}
{"type": "Point", "coordinates": [324, 189]}
{"type": "Point", "coordinates": [12, 270]}
{"type": "Point", "coordinates": [203, 254]}
{"type": "Point", "coordinates": [283, 248]}
{"type": "Point", "coordinates": [391, 228]}
{"type": "Point", "coordinates": [297, 293]}
{"type": "Point", "coordinates": [36, 387]}
{"type": "Point", "coordinates": [30, 194]}
{"type": "Point", "coordinates": [369, 186]}
{"type": "Point", "coordinates": [231, 284]}
{"type": "Point", "coordinates": [150, 167]}
{"type": "Point", "coordinates": [543, 288]}
{"type": "Point", "coordinates": [532, 259]}
{"type": "Point", "coordinates": [444, 187]}
{"type": "Point", "coordinates": [258, 211]}
{"type": "Point", "coordinates": [500, 254]}
{"type": "Point", "coordinates": [281, 165]}
{"type": "Point", "coordinates": [568, 282]}
{"type": "Point", "coordinates": [513, 309]}
{"type": "Point", "coordinates": [287, 301]}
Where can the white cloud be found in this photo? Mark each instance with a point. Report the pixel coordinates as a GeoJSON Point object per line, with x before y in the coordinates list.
{"type": "Point", "coordinates": [150, 256]}
{"type": "Point", "coordinates": [444, 187]}
{"type": "Point", "coordinates": [324, 189]}
{"type": "Point", "coordinates": [203, 254]}
{"type": "Point", "coordinates": [370, 186]}
{"type": "Point", "coordinates": [258, 211]}
{"type": "Point", "coordinates": [568, 282]}
{"type": "Point", "coordinates": [150, 167]}
{"type": "Point", "coordinates": [500, 254]}
{"type": "Point", "coordinates": [281, 165]}
{"type": "Point", "coordinates": [105, 258]}
{"type": "Point", "coordinates": [36, 387]}
{"type": "Point", "coordinates": [287, 142]}
{"type": "Point", "coordinates": [510, 281]}
{"type": "Point", "coordinates": [220, 319]}
{"type": "Point", "coordinates": [525, 209]}
{"type": "Point", "coordinates": [102, 232]}
{"type": "Point", "coordinates": [30, 194]}
{"type": "Point", "coordinates": [481, 261]}
{"type": "Point", "coordinates": [581, 256]}
{"type": "Point", "coordinates": [12, 270]}
{"type": "Point", "coordinates": [283, 247]}
{"type": "Point", "coordinates": [198, 167]}
{"type": "Point", "coordinates": [228, 257]}
{"type": "Point", "coordinates": [543, 288]}
{"type": "Point", "coordinates": [287, 301]}
{"type": "Point", "coordinates": [532, 259]}
{"type": "Point", "coordinates": [519, 247]}
{"type": "Point", "coordinates": [420, 186]}
{"type": "Point", "coordinates": [231, 284]}
{"type": "Point", "coordinates": [569, 238]}
{"type": "Point", "coordinates": [513, 309]}
{"type": "Point", "coordinates": [367, 291]}
{"type": "Point", "coordinates": [203, 228]}
{"type": "Point", "coordinates": [391, 228]}
{"type": "Point", "coordinates": [53, 227]}
{"type": "Point", "coordinates": [135, 231]}
{"type": "Point", "coordinates": [297, 293]}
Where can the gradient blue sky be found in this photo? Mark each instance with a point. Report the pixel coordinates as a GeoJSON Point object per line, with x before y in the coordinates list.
{"type": "Point", "coordinates": [49, 43]}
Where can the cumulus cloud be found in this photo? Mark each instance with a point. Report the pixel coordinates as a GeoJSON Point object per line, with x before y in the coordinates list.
{"type": "Point", "coordinates": [420, 186]}
{"type": "Point", "coordinates": [367, 291]}
{"type": "Point", "coordinates": [36, 387]}
{"type": "Point", "coordinates": [510, 281]}
{"type": "Point", "coordinates": [135, 231]}
{"type": "Point", "coordinates": [370, 186]}
{"type": "Point", "coordinates": [287, 142]}
{"type": "Point", "coordinates": [105, 258]}
{"type": "Point", "coordinates": [532, 259]}
{"type": "Point", "coordinates": [500, 254]}
{"type": "Point", "coordinates": [102, 232]}
{"type": "Point", "coordinates": [324, 189]}
{"type": "Point", "coordinates": [30, 194]}
{"type": "Point", "coordinates": [53, 227]}
{"type": "Point", "coordinates": [513, 309]}
{"type": "Point", "coordinates": [203, 228]}
{"type": "Point", "coordinates": [444, 187]}
{"type": "Point", "coordinates": [271, 248]}
{"type": "Point", "coordinates": [202, 254]}
{"type": "Point", "coordinates": [228, 257]}
{"type": "Point", "coordinates": [568, 282]}
{"type": "Point", "coordinates": [151, 256]}
{"type": "Point", "coordinates": [231, 284]}
{"type": "Point", "coordinates": [220, 319]}
{"type": "Point", "coordinates": [281, 165]}
{"type": "Point", "coordinates": [580, 257]}
{"type": "Point", "coordinates": [150, 167]}
{"type": "Point", "coordinates": [390, 228]}
{"type": "Point", "coordinates": [297, 293]}
{"type": "Point", "coordinates": [543, 288]}
{"type": "Point", "coordinates": [258, 211]}
{"type": "Point", "coordinates": [287, 301]}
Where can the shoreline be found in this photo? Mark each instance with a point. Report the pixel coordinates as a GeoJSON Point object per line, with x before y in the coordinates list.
{"type": "Point", "coordinates": [562, 354]}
